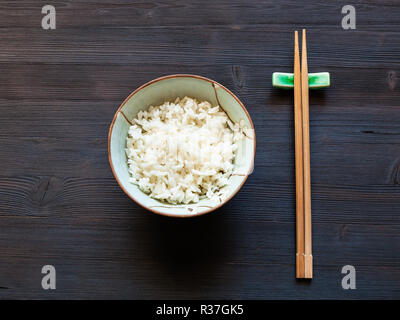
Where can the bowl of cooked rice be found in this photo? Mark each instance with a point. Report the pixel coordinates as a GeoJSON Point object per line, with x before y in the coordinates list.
{"type": "Point", "coordinates": [181, 145]}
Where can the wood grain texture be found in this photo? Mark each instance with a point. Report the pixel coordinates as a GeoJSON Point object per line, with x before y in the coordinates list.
{"type": "Point", "coordinates": [60, 205]}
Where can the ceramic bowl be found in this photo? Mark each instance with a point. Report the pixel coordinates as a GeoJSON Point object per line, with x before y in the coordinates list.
{"type": "Point", "coordinates": [168, 88]}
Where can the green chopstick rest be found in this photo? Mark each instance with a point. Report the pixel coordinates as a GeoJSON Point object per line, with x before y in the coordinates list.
{"type": "Point", "coordinates": [315, 80]}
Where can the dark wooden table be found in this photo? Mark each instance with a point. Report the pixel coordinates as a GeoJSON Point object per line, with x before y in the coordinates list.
{"type": "Point", "coordinates": [60, 204]}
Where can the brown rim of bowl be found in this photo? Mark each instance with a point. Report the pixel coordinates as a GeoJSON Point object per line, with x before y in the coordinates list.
{"type": "Point", "coordinates": [180, 75]}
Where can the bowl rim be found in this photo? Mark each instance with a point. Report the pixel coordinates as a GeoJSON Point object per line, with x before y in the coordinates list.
{"type": "Point", "coordinates": [179, 75]}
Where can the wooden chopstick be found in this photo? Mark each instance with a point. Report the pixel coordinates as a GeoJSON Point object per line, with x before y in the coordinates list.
{"type": "Point", "coordinates": [308, 261]}
{"type": "Point", "coordinates": [299, 162]}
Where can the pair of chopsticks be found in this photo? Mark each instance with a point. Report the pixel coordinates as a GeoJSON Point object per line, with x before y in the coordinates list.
{"type": "Point", "coordinates": [302, 151]}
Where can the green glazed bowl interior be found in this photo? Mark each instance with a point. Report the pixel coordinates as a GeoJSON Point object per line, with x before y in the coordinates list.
{"type": "Point", "coordinates": [168, 88]}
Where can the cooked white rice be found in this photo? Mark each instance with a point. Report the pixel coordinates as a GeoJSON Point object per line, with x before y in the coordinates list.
{"type": "Point", "coordinates": [182, 152]}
